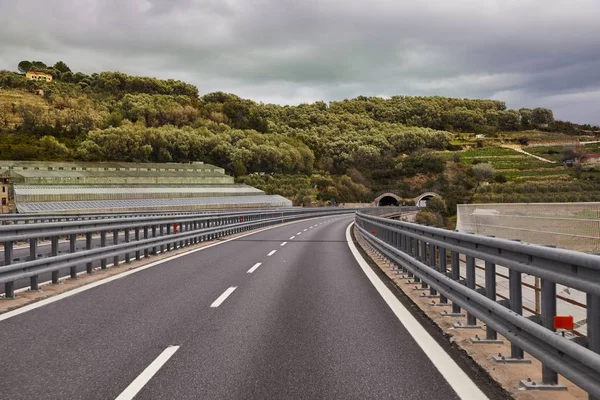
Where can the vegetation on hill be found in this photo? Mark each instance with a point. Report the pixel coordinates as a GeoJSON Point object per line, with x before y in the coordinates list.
{"type": "Point", "coordinates": [347, 151]}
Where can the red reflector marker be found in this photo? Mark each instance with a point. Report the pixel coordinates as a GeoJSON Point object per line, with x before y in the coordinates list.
{"type": "Point", "coordinates": [374, 232]}
{"type": "Point", "coordinates": [563, 322]}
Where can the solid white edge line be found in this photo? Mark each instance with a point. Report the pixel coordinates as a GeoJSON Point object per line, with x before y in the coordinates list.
{"type": "Point", "coordinates": [454, 375]}
{"type": "Point", "coordinates": [251, 270]}
{"type": "Point", "coordinates": [223, 297]}
{"type": "Point", "coordinates": [50, 300]}
{"type": "Point", "coordinates": [138, 383]}
{"type": "Point", "coordinates": [283, 244]}
{"type": "Point", "coordinates": [271, 253]}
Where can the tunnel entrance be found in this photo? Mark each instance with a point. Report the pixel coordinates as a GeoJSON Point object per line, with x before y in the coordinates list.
{"type": "Point", "coordinates": [388, 201]}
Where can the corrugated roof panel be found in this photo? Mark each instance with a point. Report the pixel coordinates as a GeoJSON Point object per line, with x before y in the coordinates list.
{"type": "Point", "coordinates": [188, 202]}
{"type": "Point", "coordinates": [64, 189]}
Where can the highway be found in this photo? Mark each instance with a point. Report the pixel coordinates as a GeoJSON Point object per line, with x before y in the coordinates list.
{"type": "Point", "coordinates": [285, 313]}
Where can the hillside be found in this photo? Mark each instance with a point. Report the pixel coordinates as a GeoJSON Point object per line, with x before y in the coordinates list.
{"type": "Point", "coordinates": [346, 150]}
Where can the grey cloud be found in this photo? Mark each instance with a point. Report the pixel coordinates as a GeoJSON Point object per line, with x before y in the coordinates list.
{"type": "Point", "coordinates": [528, 53]}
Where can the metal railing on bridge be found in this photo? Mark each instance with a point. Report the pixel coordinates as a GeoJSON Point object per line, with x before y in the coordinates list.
{"type": "Point", "coordinates": [431, 256]}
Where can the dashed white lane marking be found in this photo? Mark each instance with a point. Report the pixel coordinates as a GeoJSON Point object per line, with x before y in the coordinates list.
{"type": "Point", "coordinates": [147, 374]}
{"type": "Point", "coordinates": [251, 270]}
{"type": "Point", "coordinates": [283, 244]}
{"type": "Point", "coordinates": [222, 297]}
{"type": "Point", "coordinates": [299, 233]}
{"type": "Point", "coordinates": [104, 281]}
{"type": "Point", "coordinates": [292, 238]}
{"type": "Point", "coordinates": [271, 253]}
{"type": "Point", "coordinates": [454, 375]}
{"type": "Point", "coordinates": [305, 230]}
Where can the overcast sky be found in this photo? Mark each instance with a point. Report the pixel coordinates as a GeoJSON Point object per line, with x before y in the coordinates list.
{"type": "Point", "coordinates": [526, 52]}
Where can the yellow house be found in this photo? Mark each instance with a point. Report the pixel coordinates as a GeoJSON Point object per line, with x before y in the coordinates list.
{"type": "Point", "coordinates": [38, 76]}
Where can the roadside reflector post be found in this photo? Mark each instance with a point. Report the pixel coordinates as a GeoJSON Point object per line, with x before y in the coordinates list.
{"type": "Point", "coordinates": [563, 322]}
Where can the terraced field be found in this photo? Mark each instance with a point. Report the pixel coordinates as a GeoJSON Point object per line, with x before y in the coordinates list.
{"type": "Point", "coordinates": [530, 179]}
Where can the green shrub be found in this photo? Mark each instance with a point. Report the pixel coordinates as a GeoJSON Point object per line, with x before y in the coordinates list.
{"type": "Point", "coordinates": [430, 218]}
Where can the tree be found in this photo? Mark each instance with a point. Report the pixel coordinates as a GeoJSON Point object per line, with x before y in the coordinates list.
{"type": "Point", "coordinates": [24, 66]}
{"type": "Point", "coordinates": [427, 217]}
{"type": "Point", "coordinates": [437, 205]}
{"type": "Point", "coordinates": [483, 172]}
{"type": "Point", "coordinates": [526, 117]}
{"type": "Point", "coordinates": [542, 116]}
{"type": "Point", "coordinates": [52, 148]}
{"type": "Point", "coordinates": [38, 65]}
{"type": "Point", "coordinates": [62, 67]}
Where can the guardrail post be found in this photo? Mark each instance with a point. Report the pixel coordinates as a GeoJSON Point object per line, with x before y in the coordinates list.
{"type": "Point", "coordinates": [127, 255]}
{"type": "Point", "coordinates": [418, 255]}
{"type": "Point", "coordinates": [549, 376]}
{"type": "Point", "coordinates": [138, 253]}
{"type": "Point", "coordinates": [146, 234]}
{"type": "Point", "coordinates": [423, 260]}
{"type": "Point", "coordinates": [154, 249]}
{"type": "Point", "coordinates": [432, 264]}
{"type": "Point", "coordinates": [471, 284]}
{"type": "Point", "coordinates": [9, 287]}
{"type": "Point", "coordinates": [593, 327]}
{"type": "Point", "coordinates": [455, 273]}
{"type": "Point", "coordinates": [183, 228]}
{"type": "Point", "coordinates": [490, 292]}
{"type": "Point", "coordinates": [88, 246]}
{"type": "Point", "coordinates": [187, 228]}
{"type": "Point", "coordinates": [72, 249]}
{"type": "Point", "coordinates": [515, 302]}
{"type": "Point", "coordinates": [54, 253]}
{"type": "Point", "coordinates": [33, 249]}
{"type": "Point", "coordinates": [168, 233]}
{"type": "Point", "coordinates": [115, 242]}
{"type": "Point", "coordinates": [103, 244]}
{"type": "Point", "coordinates": [443, 270]}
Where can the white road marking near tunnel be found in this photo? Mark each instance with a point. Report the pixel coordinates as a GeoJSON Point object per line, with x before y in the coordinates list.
{"type": "Point", "coordinates": [223, 297]}
{"type": "Point", "coordinates": [283, 244]}
{"type": "Point", "coordinates": [251, 270]}
{"type": "Point", "coordinates": [292, 238]}
{"type": "Point", "coordinates": [305, 230]}
{"type": "Point", "coordinates": [138, 383]}
{"type": "Point", "coordinates": [454, 375]}
{"type": "Point", "coordinates": [299, 233]}
{"type": "Point", "coordinates": [271, 253]}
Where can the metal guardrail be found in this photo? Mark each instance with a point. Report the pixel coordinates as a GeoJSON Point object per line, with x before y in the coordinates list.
{"type": "Point", "coordinates": [12, 219]}
{"type": "Point", "coordinates": [6, 219]}
{"type": "Point", "coordinates": [424, 252]}
{"type": "Point", "coordinates": [21, 232]}
{"type": "Point", "coordinates": [150, 233]}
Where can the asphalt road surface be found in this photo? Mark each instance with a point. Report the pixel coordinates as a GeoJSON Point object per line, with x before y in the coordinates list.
{"type": "Point", "coordinates": [305, 323]}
